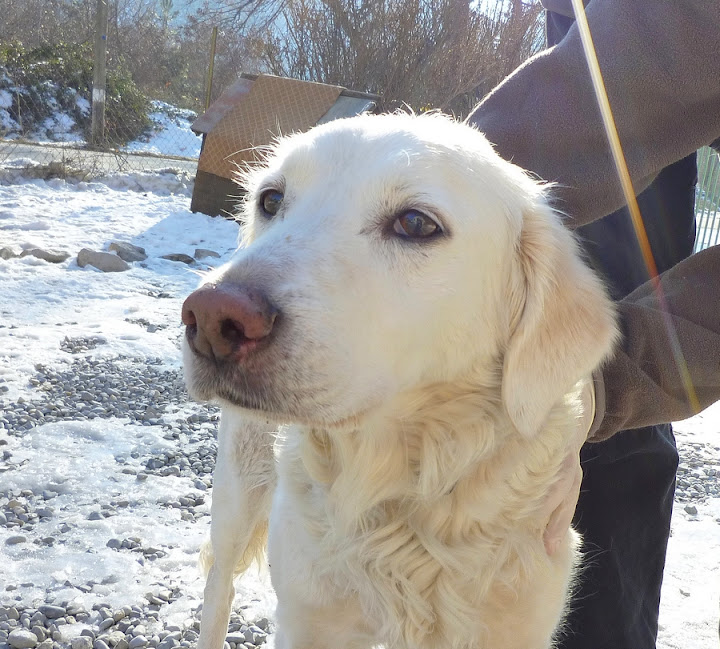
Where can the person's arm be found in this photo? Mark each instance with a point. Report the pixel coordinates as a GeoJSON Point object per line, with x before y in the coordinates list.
{"type": "Point", "coordinates": [642, 384]}
{"type": "Point", "coordinates": [661, 66]}
{"type": "Point", "coordinates": [661, 63]}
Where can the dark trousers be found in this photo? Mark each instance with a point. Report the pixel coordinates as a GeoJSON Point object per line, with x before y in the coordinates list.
{"type": "Point", "coordinates": [624, 516]}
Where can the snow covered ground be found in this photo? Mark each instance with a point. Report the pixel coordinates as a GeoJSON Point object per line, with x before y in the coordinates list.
{"type": "Point", "coordinates": [114, 495]}
{"type": "Point", "coordinates": [169, 134]}
{"type": "Point", "coordinates": [58, 319]}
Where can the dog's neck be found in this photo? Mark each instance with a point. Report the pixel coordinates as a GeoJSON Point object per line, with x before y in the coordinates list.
{"type": "Point", "coordinates": [436, 496]}
{"type": "Point", "coordinates": [436, 447]}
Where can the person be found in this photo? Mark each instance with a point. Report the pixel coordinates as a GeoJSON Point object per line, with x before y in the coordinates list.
{"type": "Point", "coordinates": [628, 485]}
{"type": "Point", "coordinates": [660, 65]}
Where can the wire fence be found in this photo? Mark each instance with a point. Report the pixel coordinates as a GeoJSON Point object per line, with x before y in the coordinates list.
{"type": "Point", "coordinates": [707, 199]}
{"type": "Point", "coordinates": [23, 158]}
{"type": "Point", "coordinates": [45, 127]}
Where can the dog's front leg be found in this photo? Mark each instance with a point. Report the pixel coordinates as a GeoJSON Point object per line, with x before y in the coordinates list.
{"type": "Point", "coordinates": [243, 483]}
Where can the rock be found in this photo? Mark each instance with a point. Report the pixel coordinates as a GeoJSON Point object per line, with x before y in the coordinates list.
{"type": "Point", "coordinates": [128, 251]}
{"type": "Point", "coordinates": [39, 632]}
{"type": "Point", "coordinates": [236, 638]}
{"type": "Point", "coordinates": [52, 612]}
{"type": "Point", "coordinates": [114, 638]}
{"type": "Point", "coordinates": [52, 256]}
{"type": "Point", "coordinates": [12, 613]}
{"type": "Point", "coordinates": [202, 253]}
{"type": "Point", "coordinates": [178, 256]}
{"type": "Point", "coordinates": [137, 642]}
{"type": "Point", "coordinates": [104, 261]}
{"type": "Point", "coordinates": [22, 639]}
{"type": "Point", "coordinates": [81, 642]}
{"type": "Point", "coordinates": [7, 253]}
{"type": "Point", "coordinates": [169, 643]}
{"type": "Point", "coordinates": [691, 509]}
{"type": "Point", "coordinates": [106, 624]}
{"type": "Point", "coordinates": [15, 539]}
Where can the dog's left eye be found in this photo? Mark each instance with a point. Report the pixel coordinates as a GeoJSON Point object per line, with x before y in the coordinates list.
{"type": "Point", "coordinates": [415, 225]}
{"type": "Point", "coordinates": [270, 202]}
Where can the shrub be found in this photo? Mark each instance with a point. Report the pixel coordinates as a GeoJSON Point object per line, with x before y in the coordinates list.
{"type": "Point", "coordinates": [45, 93]}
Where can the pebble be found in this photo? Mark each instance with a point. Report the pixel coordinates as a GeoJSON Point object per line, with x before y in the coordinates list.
{"type": "Point", "coordinates": [106, 624]}
{"type": "Point", "coordinates": [144, 392]}
{"type": "Point", "coordinates": [52, 612]}
{"type": "Point", "coordinates": [168, 643]}
{"type": "Point", "coordinates": [22, 639]}
{"type": "Point", "coordinates": [39, 632]}
{"type": "Point", "coordinates": [697, 474]}
{"type": "Point", "coordinates": [147, 390]}
{"type": "Point", "coordinates": [81, 642]}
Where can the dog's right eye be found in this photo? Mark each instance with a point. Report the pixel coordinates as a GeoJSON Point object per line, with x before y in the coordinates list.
{"type": "Point", "coordinates": [270, 202]}
{"type": "Point", "coordinates": [416, 225]}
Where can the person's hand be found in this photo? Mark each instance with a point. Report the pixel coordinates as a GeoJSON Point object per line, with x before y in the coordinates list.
{"type": "Point", "coordinates": [561, 501]}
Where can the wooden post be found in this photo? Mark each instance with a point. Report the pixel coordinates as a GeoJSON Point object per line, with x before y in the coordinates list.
{"type": "Point", "coordinates": [211, 68]}
{"type": "Point", "coordinates": [97, 136]}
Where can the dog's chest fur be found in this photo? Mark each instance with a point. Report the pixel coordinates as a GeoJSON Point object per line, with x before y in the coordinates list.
{"type": "Point", "coordinates": [429, 528]}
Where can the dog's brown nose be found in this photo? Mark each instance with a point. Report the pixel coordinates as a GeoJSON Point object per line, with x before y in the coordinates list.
{"type": "Point", "coordinates": [224, 319]}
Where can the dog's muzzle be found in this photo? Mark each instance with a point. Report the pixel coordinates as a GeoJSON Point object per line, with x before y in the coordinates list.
{"type": "Point", "coordinates": [226, 322]}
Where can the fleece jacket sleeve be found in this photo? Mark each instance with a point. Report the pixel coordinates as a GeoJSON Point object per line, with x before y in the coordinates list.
{"type": "Point", "coordinates": [660, 60]}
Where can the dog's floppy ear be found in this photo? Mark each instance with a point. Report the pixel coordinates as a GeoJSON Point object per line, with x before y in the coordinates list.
{"type": "Point", "coordinates": [566, 325]}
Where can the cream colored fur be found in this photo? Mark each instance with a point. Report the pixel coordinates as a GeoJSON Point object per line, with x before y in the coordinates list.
{"type": "Point", "coordinates": [425, 392]}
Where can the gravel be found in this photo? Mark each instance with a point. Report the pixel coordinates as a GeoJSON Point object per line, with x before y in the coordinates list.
{"type": "Point", "coordinates": [137, 627]}
{"type": "Point", "coordinates": [698, 476]}
{"type": "Point", "coordinates": [148, 394]}
{"type": "Point", "coordinates": [138, 389]}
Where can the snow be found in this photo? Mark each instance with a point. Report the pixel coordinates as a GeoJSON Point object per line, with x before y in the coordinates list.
{"type": "Point", "coordinates": [60, 455]}
{"type": "Point", "coordinates": [5, 99]}
{"type": "Point", "coordinates": [171, 134]}
{"type": "Point", "coordinates": [689, 607]}
{"type": "Point", "coordinates": [42, 303]}
{"type": "Point", "coordinates": [83, 104]}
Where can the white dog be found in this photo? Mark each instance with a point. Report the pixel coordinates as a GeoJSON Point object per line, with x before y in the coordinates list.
{"type": "Point", "coordinates": [416, 319]}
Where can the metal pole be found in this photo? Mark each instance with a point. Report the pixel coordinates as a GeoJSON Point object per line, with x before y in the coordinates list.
{"type": "Point", "coordinates": [97, 136]}
{"type": "Point", "coordinates": [213, 43]}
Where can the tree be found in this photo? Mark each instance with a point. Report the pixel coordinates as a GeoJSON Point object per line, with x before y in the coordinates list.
{"type": "Point", "coordinates": [425, 53]}
{"type": "Point", "coordinates": [443, 54]}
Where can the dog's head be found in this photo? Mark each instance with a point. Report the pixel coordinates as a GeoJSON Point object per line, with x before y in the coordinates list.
{"type": "Point", "coordinates": [380, 254]}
